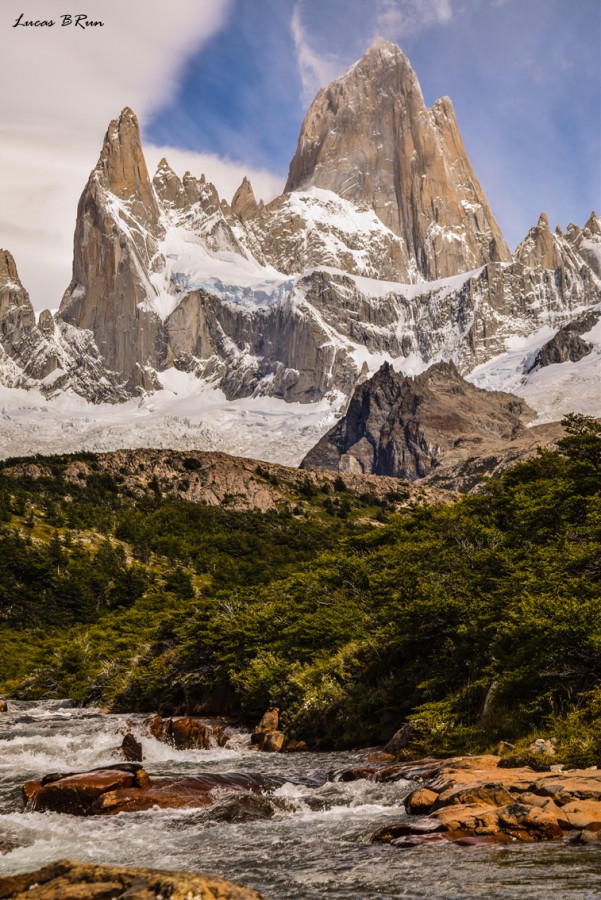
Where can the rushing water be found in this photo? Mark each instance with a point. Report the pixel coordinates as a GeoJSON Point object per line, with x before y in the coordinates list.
{"type": "Point", "coordinates": [314, 845]}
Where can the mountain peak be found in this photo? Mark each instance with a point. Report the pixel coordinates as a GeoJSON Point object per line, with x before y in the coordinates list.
{"type": "Point", "coordinates": [383, 52]}
{"type": "Point", "coordinates": [244, 203]}
{"type": "Point", "coordinates": [8, 267]}
{"type": "Point", "coordinates": [121, 167]}
{"type": "Point", "coordinates": [370, 138]}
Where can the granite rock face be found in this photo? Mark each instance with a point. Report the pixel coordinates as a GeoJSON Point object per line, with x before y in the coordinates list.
{"type": "Point", "coordinates": [370, 138]}
{"type": "Point", "coordinates": [116, 253]}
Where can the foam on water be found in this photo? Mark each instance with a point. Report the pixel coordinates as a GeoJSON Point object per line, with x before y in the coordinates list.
{"type": "Point", "coordinates": [306, 838]}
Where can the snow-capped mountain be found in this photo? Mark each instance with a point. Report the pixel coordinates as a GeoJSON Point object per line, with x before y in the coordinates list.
{"type": "Point", "coordinates": [382, 249]}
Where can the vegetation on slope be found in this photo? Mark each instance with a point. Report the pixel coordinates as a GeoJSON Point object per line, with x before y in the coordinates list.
{"type": "Point", "coordinates": [481, 619]}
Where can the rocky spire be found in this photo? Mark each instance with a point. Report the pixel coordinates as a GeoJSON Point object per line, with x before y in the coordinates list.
{"type": "Point", "coordinates": [121, 167]}
{"type": "Point", "coordinates": [115, 251]}
{"type": "Point", "coordinates": [539, 249]}
{"type": "Point", "coordinates": [587, 241]}
{"type": "Point", "coordinates": [244, 203]}
{"type": "Point", "coordinates": [16, 311]}
{"type": "Point", "coordinates": [370, 138]}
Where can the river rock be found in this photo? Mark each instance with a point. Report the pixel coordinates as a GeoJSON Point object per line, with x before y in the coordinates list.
{"type": "Point", "coordinates": [266, 736]}
{"type": "Point", "coordinates": [583, 814]}
{"type": "Point", "coordinates": [131, 748]}
{"type": "Point", "coordinates": [75, 794]}
{"type": "Point", "coordinates": [155, 726]}
{"type": "Point", "coordinates": [187, 733]}
{"type": "Point", "coordinates": [129, 788]}
{"type": "Point", "coordinates": [420, 801]}
{"type": "Point", "coordinates": [84, 881]}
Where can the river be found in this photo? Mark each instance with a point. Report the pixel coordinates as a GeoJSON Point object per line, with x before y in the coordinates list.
{"type": "Point", "coordinates": [313, 845]}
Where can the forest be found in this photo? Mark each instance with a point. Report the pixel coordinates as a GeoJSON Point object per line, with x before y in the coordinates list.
{"type": "Point", "coordinates": [479, 621]}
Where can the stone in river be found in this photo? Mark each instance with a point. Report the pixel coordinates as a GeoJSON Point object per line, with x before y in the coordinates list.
{"type": "Point", "coordinates": [85, 881]}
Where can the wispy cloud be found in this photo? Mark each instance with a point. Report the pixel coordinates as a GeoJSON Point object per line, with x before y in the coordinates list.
{"type": "Point", "coordinates": [66, 86]}
{"type": "Point", "coordinates": [315, 70]}
{"type": "Point", "coordinates": [401, 19]}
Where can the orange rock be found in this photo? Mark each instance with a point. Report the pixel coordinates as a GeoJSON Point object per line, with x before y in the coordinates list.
{"type": "Point", "coordinates": [492, 794]}
{"type": "Point", "coordinates": [583, 814]}
{"type": "Point", "coordinates": [181, 795]}
{"type": "Point", "coordinates": [420, 802]}
{"type": "Point", "coordinates": [274, 742]}
{"type": "Point", "coordinates": [187, 733]}
{"type": "Point", "coordinates": [155, 726]}
{"type": "Point", "coordinates": [379, 756]}
{"type": "Point", "coordinates": [29, 790]}
{"type": "Point", "coordinates": [76, 793]}
{"type": "Point", "coordinates": [87, 880]}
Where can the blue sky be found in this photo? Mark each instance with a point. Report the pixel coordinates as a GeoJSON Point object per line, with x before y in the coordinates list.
{"type": "Point", "coordinates": [524, 77]}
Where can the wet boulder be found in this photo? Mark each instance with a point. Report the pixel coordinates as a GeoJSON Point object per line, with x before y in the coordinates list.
{"type": "Point", "coordinates": [131, 748]}
{"type": "Point", "coordinates": [76, 793]}
{"type": "Point", "coordinates": [420, 801]}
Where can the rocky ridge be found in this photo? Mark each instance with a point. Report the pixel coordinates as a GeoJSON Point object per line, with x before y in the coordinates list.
{"type": "Point", "coordinates": [49, 355]}
{"type": "Point", "coordinates": [436, 426]}
{"type": "Point", "coordinates": [217, 479]}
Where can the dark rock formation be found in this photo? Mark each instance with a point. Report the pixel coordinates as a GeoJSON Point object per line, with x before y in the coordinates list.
{"type": "Point", "coordinates": [567, 345]}
{"type": "Point", "coordinates": [405, 427]}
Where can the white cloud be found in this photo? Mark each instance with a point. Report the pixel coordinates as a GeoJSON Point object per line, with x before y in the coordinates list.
{"type": "Point", "coordinates": [62, 86]}
{"type": "Point", "coordinates": [402, 19]}
{"type": "Point", "coordinates": [315, 71]}
{"type": "Point", "coordinates": [225, 175]}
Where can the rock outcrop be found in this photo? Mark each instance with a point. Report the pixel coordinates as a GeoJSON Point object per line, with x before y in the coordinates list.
{"type": "Point", "coordinates": [475, 800]}
{"type": "Point", "coordinates": [567, 345]}
{"type": "Point", "coordinates": [217, 479]}
{"type": "Point", "coordinates": [587, 242]}
{"type": "Point", "coordinates": [127, 787]}
{"type": "Point", "coordinates": [116, 253]}
{"type": "Point", "coordinates": [406, 427]}
{"type": "Point", "coordinates": [244, 203]}
{"type": "Point", "coordinates": [370, 138]}
{"type": "Point", "coordinates": [73, 879]}
{"type": "Point", "coordinates": [50, 355]}
{"type": "Point", "coordinates": [471, 800]}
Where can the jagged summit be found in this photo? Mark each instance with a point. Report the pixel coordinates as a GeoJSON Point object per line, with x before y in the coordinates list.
{"type": "Point", "coordinates": [370, 138]}
{"type": "Point", "coordinates": [8, 268]}
{"type": "Point", "coordinates": [121, 167]}
{"type": "Point", "coordinates": [244, 203]}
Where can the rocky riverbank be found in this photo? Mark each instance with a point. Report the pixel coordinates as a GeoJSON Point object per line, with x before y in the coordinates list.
{"type": "Point", "coordinates": [475, 800]}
